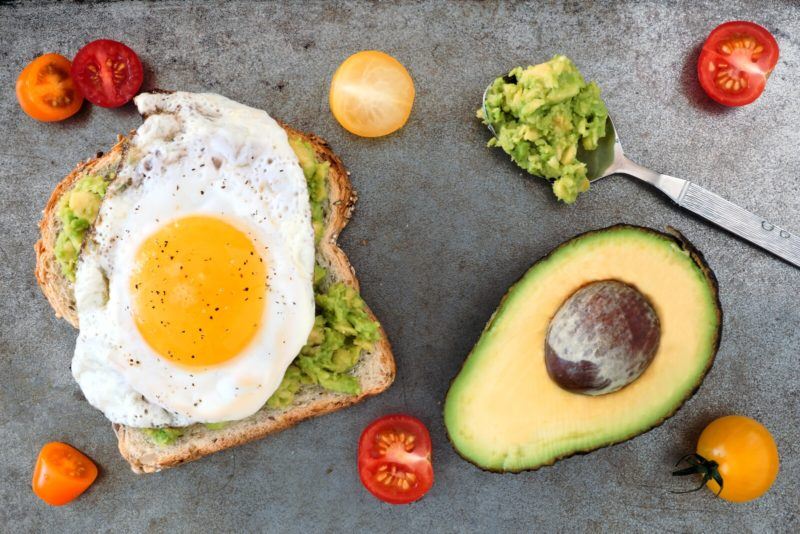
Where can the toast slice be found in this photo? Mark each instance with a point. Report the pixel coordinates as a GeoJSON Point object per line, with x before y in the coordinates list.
{"type": "Point", "coordinates": [375, 369]}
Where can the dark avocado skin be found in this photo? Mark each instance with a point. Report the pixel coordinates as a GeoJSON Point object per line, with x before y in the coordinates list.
{"type": "Point", "coordinates": [678, 238]}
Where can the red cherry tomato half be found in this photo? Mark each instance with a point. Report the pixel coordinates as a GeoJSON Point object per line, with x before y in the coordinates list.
{"type": "Point", "coordinates": [108, 73]}
{"type": "Point", "coordinates": [736, 60]}
{"type": "Point", "coordinates": [394, 459]}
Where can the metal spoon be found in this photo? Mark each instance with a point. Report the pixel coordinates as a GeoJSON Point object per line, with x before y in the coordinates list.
{"type": "Point", "coordinates": [608, 159]}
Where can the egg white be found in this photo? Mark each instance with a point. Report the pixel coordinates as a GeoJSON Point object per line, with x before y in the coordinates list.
{"type": "Point", "coordinates": [195, 154]}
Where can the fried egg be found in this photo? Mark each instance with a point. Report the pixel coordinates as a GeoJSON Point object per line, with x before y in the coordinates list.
{"type": "Point", "coordinates": [194, 290]}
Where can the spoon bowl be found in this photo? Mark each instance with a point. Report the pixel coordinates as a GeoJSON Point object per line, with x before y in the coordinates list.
{"type": "Point", "coordinates": [508, 78]}
{"type": "Point", "coordinates": [601, 161]}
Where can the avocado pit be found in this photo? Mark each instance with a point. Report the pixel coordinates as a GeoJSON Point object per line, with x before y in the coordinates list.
{"type": "Point", "coordinates": [602, 338]}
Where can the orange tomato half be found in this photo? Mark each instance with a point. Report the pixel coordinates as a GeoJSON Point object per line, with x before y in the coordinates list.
{"type": "Point", "coordinates": [45, 89]}
{"type": "Point", "coordinates": [371, 94]}
{"type": "Point", "coordinates": [62, 473]}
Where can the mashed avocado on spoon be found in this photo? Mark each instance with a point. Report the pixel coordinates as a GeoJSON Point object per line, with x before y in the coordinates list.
{"type": "Point", "coordinates": [539, 115]}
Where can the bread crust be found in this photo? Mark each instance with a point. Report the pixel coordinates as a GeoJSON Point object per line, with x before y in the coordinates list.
{"type": "Point", "coordinates": [55, 287]}
{"type": "Point", "coordinates": [376, 368]}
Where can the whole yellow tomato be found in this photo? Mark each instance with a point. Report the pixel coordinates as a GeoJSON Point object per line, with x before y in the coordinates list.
{"type": "Point", "coordinates": [737, 458]}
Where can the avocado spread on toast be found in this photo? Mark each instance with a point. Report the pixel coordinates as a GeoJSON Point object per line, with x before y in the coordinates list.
{"type": "Point", "coordinates": [76, 212]}
{"type": "Point", "coordinates": [342, 327]}
{"type": "Point", "coordinates": [540, 114]}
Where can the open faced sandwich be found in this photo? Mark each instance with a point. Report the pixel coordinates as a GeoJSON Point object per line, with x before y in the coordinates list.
{"type": "Point", "coordinates": [198, 258]}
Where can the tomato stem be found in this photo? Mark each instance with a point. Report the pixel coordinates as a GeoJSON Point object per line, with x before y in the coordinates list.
{"type": "Point", "coordinates": [699, 466]}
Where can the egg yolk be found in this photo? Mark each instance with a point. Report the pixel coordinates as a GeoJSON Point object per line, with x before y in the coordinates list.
{"type": "Point", "coordinates": [198, 289]}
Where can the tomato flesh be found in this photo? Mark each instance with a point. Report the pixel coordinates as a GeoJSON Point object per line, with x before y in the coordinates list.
{"type": "Point", "coordinates": [394, 459]}
{"type": "Point", "coordinates": [62, 473]}
{"type": "Point", "coordinates": [736, 60]}
{"type": "Point", "coordinates": [107, 72]}
{"type": "Point", "coordinates": [46, 91]}
{"type": "Point", "coordinates": [371, 94]}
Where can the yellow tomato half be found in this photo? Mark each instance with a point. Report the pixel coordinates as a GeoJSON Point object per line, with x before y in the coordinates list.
{"type": "Point", "coordinates": [371, 94]}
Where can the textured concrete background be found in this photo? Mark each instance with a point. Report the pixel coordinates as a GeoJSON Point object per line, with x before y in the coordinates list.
{"type": "Point", "coordinates": [442, 228]}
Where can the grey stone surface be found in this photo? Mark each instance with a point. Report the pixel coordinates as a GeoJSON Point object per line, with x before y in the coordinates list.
{"type": "Point", "coordinates": [442, 228]}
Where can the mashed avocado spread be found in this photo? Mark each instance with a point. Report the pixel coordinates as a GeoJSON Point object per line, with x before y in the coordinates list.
{"type": "Point", "coordinates": [342, 327]}
{"type": "Point", "coordinates": [541, 116]}
{"type": "Point", "coordinates": [76, 212]}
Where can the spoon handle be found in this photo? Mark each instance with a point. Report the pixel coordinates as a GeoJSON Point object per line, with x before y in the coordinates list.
{"type": "Point", "coordinates": [719, 211]}
{"type": "Point", "coordinates": [741, 222]}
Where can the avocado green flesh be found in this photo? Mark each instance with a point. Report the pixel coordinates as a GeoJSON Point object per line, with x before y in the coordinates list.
{"type": "Point", "coordinates": [541, 116]}
{"type": "Point", "coordinates": [163, 436]}
{"type": "Point", "coordinates": [504, 413]}
{"type": "Point", "coordinates": [76, 211]}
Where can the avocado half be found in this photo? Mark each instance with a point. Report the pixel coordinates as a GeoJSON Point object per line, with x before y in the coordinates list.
{"type": "Point", "coordinates": [504, 413]}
